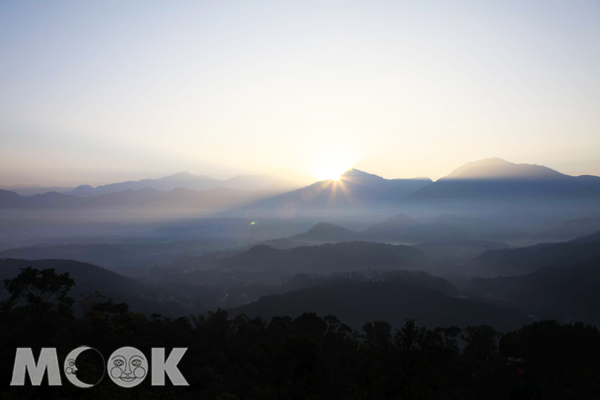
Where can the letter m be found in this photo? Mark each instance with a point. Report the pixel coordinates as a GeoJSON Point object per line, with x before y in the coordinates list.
{"type": "Point", "coordinates": [24, 362]}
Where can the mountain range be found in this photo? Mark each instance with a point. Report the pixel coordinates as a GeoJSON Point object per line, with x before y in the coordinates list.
{"type": "Point", "coordinates": [570, 229]}
{"type": "Point", "coordinates": [523, 260]}
{"type": "Point", "coordinates": [276, 181]}
{"type": "Point", "coordinates": [327, 258]}
{"type": "Point", "coordinates": [262, 260]}
{"type": "Point", "coordinates": [403, 229]}
{"type": "Point", "coordinates": [500, 179]}
{"type": "Point", "coordinates": [147, 197]}
{"type": "Point", "coordinates": [485, 185]}
{"type": "Point", "coordinates": [567, 292]}
{"type": "Point", "coordinates": [358, 296]}
{"type": "Point", "coordinates": [354, 189]}
{"type": "Point", "coordinates": [88, 279]}
{"type": "Point", "coordinates": [393, 299]}
{"type": "Point", "coordinates": [564, 286]}
{"type": "Point", "coordinates": [288, 194]}
{"type": "Point", "coordinates": [30, 190]}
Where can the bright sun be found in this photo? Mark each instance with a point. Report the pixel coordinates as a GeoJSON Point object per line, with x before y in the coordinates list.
{"type": "Point", "coordinates": [332, 164]}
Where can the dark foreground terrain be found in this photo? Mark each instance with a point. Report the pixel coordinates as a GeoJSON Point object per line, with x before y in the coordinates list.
{"type": "Point", "coordinates": [307, 357]}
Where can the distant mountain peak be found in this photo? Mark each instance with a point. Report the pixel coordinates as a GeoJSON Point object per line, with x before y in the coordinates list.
{"type": "Point", "coordinates": [357, 173]}
{"type": "Point", "coordinates": [497, 168]}
{"type": "Point", "coordinates": [82, 190]}
{"type": "Point", "coordinates": [261, 250]}
{"type": "Point", "coordinates": [402, 218]}
{"type": "Point", "coordinates": [277, 182]}
{"type": "Point", "coordinates": [327, 227]}
{"type": "Point", "coordinates": [326, 231]}
{"type": "Point", "coordinates": [593, 238]}
{"type": "Point", "coordinates": [184, 176]}
{"type": "Point", "coordinates": [84, 187]}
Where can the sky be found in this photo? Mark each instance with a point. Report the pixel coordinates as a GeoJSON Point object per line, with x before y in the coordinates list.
{"type": "Point", "coordinates": [105, 91]}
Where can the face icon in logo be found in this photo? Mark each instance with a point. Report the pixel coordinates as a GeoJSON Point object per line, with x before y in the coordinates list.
{"type": "Point", "coordinates": [127, 367]}
{"type": "Point", "coordinates": [71, 369]}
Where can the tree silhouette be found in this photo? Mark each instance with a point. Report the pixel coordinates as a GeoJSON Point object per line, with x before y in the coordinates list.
{"type": "Point", "coordinates": [39, 294]}
{"type": "Point", "coordinates": [308, 357]}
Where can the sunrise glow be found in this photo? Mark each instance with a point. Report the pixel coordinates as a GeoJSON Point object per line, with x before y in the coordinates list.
{"type": "Point", "coordinates": [332, 164]}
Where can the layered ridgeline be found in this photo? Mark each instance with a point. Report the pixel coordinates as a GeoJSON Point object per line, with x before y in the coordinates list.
{"type": "Point", "coordinates": [125, 254]}
{"type": "Point", "coordinates": [33, 189]}
{"type": "Point", "coordinates": [403, 229]}
{"type": "Point", "coordinates": [265, 263]}
{"type": "Point", "coordinates": [158, 295]}
{"type": "Point", "coordinates": [89, 279]}
{"type": "Point", "coordinates": [182, 190]}
{"type": "Point", "coordinates": [327, 232]}
{"type": "Point", "coordinates": [276, 181]}
{"type": "Point", "coordinates": [352, 286]}
{"type": "Point", "coordinates": [569, 229]}
{"type": "Point", "coordinates": [354, 189]}
{"type": "Point", "coordinates": [484, 180]}
{"type": "Point", "coordinates": [562, 290]}
{"type": "Point", "coordinates": [392, 297]}
{"type": "Point", "coordinates": [524, 260]}
{"type": "Point", "coordinates": [142, 198]}
{"type": "Point", "coordinates": [491, 186]}
{"type": "Point", "coordinates": [495, 178]}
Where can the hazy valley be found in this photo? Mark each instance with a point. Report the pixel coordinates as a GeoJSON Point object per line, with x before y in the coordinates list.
{"type": "Point", "coordinates": [187, 246]}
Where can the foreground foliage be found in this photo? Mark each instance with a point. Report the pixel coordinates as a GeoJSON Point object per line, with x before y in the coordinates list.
{"type": "Point", "coordinates": [309, 357]}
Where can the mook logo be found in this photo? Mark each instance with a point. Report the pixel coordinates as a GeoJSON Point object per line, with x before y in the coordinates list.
{"type": "Point", "coordinates": [127, 367]}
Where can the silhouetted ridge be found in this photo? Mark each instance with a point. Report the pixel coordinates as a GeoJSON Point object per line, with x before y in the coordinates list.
{"type": "Point", "coordinates": [567, 292]}
{"type": "Point", "coordinates": [326, 232]}
{"type": "Point", "coordinates": [261, 250]}
{"type": "Point", "coordinates": [394, 301]}
{"type": "Point", "coordinates": [497, 168]}
{"type": "Point", "coordinates": [593, 238]}
{"type": "Point", "coordinates": [570, 229]}
{"type": "Point", "coordinates": [90, 278]}
{"type": "Point", "coordinates": [356, 173]}
{"type": "Point", "coordinates": [524, 260]}
{"type": "Point", "coordinates": [337, 257]}
{"type": "Point", "coordinates": [144, 197]}
{"type": "Point", "coordinates": [355, 189]}
{"type": "Point", "coordinates": [403, 229]}
{"type": "Point", "coordinates": [499, 179]}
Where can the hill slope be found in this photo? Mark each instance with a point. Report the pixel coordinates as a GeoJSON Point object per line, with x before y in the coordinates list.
{"type": "Point", "coordinates": [90, 278]}
{"type": "Point", "coordinates": [403, 229]}
{"type": "Point", "coordinates": [274, 181]}
{"type": "Point", "coordinates": [354, 189]}
{"type": "Point", "coordinates": [567, 293]}
{"type": "Point", "coordinates": [326, 258]}
{"type": "Point", "coordinates": [392, 301]}
{"type": "Point", "coordinates": [495, 178]}
{"type": "Point", "coordinates": [143, 198]}
{"type": "Point", "coordinates": [326, 232]}
{"type": "Point", "coordinates": [527, 259]}
{"type": "Point", "coordinates": [570, 229]}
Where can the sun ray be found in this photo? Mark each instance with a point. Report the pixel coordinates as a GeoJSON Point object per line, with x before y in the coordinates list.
{"type": "Point", "coordinates": [332, 164]}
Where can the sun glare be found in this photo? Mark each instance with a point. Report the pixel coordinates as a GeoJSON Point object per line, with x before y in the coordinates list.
{"type": "Point", "coordinates": [332, 165]}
